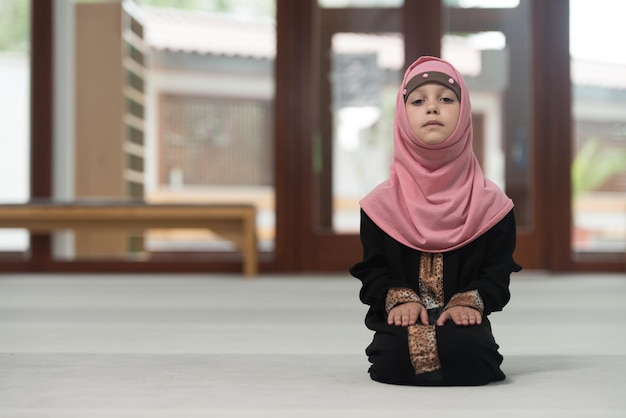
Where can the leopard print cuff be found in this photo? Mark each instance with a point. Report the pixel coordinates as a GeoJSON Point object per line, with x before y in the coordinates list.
{"type": "Point", "coordinates": [423, 348]}
{"type": "Point", "coordinates": [470, 299]}
{"type": "Point", "coordinates": [398, 295]}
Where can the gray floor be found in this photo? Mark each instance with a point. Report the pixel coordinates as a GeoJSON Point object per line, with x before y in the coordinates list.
{"type": "Point", "coordinates": [287, 346]}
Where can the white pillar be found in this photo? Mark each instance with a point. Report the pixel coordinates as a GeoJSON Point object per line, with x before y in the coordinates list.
{"type": "Point", "coordinates": [63, 117]}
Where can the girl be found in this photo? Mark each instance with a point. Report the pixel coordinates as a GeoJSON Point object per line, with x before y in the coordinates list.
{"type": "Point", "coordinates": [438, 241]}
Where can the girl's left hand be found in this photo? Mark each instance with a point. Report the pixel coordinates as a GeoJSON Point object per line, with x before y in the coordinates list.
{"type": "Point", "coordinates": [460, 315]}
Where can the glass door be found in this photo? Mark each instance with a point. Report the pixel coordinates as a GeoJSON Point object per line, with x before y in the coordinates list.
{"type": "Point", "coordinates": [598, 142]}
{"type": "Point", "coordinates": [491, 44]}
{"type": "Point", "coordinates": [362, 58]}
{"type": "Point", "coordinates": [196, 125]}
{"type": "Point", "coordinates": [360, 52]}
{"type": "Point", "coordinates": [137, 102]}
{"type": "Point", "coordinates": [14, 114]}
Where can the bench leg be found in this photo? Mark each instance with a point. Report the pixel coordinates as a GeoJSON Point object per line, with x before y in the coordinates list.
{"type": "Point", "coordinates": [249, 247]}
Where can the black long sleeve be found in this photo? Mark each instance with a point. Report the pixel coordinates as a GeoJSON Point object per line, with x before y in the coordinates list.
{"type": "Point", "coordinates": [485, 265]}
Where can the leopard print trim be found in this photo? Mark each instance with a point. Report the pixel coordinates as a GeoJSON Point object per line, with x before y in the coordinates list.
{"type": "Point", "coordinates": [431, 279]}
{"type": "Point", "coordinates": [470, 299]}
{"type": "Point", "coordinates": [398, 295]}
{"type": "Point", "coordinates": [423, 348]}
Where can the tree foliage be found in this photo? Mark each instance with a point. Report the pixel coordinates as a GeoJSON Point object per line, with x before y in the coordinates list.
{"type": "Point", "coordinates": [594, 165]}
{"type": "Point", "coordinates": [14, 25]}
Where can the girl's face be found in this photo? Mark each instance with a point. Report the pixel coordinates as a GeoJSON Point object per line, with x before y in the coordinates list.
{"type": "Point", "coordinates": [433, 112]}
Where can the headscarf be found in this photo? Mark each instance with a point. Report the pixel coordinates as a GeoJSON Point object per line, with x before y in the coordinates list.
{"type": "Point", "coordinates": [436, 198]}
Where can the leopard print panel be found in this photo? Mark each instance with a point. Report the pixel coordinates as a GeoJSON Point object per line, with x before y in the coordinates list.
{"type": "Point", "coordinates": [470, 299]}
{"type": "Point", "coordinates": [423, 348]}
{"type": "Point", "coordinates": [431, 280]}
{"type": "Point", "coordinates": [398, 295]}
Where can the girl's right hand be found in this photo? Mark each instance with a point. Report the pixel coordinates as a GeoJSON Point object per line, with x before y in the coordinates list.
{"type": "Point", "coordinates": [407, 314]}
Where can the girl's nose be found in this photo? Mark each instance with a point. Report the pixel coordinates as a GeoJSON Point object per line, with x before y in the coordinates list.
{"type": "Point", "coordinates": [432, 108]}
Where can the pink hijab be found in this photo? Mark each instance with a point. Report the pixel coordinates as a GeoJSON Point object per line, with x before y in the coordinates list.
{"type": "Point", "coordinates": [436, 198]}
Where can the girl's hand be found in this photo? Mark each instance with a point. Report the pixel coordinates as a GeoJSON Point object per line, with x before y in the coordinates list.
{"type": "Point", "coordinates": [407, 314]}
{"type": "Point", "coordinates": [460, 315]}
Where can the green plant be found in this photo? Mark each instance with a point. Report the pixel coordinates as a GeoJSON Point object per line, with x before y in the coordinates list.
{"type": "Point", "coordinates": [594, 164]}
{"type": "Point", "coordinates": [14, 25]}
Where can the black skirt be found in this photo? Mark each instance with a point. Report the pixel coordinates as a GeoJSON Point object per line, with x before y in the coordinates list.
{"type": "Point", "coordinates": [429, 355]}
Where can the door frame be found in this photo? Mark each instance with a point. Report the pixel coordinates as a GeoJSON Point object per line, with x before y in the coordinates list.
{"type": "Point", "coordinates": [328, 251]}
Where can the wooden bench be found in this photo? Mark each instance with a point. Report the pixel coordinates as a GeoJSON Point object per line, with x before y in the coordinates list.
{"type": "Point", "coordinates": [235, 223]}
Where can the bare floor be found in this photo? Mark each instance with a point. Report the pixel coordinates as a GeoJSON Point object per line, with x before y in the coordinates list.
{"type": "Point", "coordinates": [287, 346]}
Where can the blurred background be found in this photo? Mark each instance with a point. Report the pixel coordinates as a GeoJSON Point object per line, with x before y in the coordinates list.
{"type": "Point", "coordinates": [289, 107]}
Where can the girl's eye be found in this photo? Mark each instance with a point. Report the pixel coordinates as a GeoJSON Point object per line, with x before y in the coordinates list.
{"type": "Point", "coordinates": [418, 101]}
{"type": "Point", "coordinates": [447, 100]}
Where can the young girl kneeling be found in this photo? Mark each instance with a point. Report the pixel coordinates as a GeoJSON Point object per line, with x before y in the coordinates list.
{"type": "Point", "coordinates": [438, 241]}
